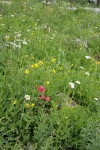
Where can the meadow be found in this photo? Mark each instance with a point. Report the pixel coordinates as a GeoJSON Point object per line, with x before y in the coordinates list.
{"type": "Point", "coordinates": [50, 77]}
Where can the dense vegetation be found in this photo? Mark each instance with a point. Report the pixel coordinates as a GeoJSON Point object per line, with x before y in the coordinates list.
{"type": "Point", "coordinates": [50, 77]}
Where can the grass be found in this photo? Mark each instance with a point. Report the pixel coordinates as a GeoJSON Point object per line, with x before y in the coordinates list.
{"type": "Point", "coordinates": [50, 77]}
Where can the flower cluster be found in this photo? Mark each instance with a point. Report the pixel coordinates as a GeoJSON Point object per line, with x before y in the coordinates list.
{"type": "Point", "coordinates": [42, 97]}
{"type": "Point", "coordinates": [72, 85]}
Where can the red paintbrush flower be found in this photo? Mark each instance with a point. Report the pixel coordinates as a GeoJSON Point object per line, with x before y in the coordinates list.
{"type": "Point", "coordinates": [47, 99]}
{"type": "Point", "coordinates": [42, 97]}
{"type": "Point", "coordinates": [41, 89]}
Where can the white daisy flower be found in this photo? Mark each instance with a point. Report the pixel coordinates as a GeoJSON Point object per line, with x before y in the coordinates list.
{"type": "Point", "coordinates": [27, 97]}
{"type": "Point", "coordinates": [71, 85]}
{"type": "Point", "coordinates": [87, 57]}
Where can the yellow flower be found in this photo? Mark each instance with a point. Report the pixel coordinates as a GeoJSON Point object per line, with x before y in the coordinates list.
{"type": "Point", "coordinates": [32, 105]}
{"type": "Point", "coordinates": [27, 71]}
{"type": "Point", "coordinates": [27, 105]}
{"type": "Point", "coordinates": [72, 65]}
{"type": "Point", "coordinates": [47, 83]}
{"type": "Point", "coordinates": [53, 71]}
{"type": "Point", "coordinates": [14, 102]}
{"type": "Point", "coordinates": [53, 60]}
{"type": "Point", "coordinates": [34, 65]}
{"type": "Point", "coordinates": [98, 62]}
{"type": "Point", "coordinates": [40, 62]}
{"type": "Point", "coordinates": [81, 45]}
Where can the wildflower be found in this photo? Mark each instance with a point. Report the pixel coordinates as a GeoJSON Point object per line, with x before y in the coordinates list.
{"type": "Point", "coordinates": [27, 105]}
{"type": "Point", "coordinates": [36, 65]}
{"type": "Point", "coordinates": [81, 67]}
{"type": "Point", "coordinates": [87, 73]}
{"type": "Point", "coordinates": [53, 71]}
{"type": "Point", "coordinates": [24, 42]}
{"type": "Point", "coordinates": [18, 35]}
{"type": "Point", "coordinates": [32, 66]}
{"type": "Point", "coordinates": [47, 83]}
{"type": "Point", "coordinates": [87, 57]}
{"type": "Point", "coordinates": [14, 102]}
{"type": "Point", "coordinates": [32, 105]}
{"type": "Point", "coordinates": [27, 71]}
{"type": "Point", "coordinates": [96, 99]}
{"type": "Point", "coordinates": [7, 36]}
{"type": "Point", "coordinates": [42, 97]}
{"type": "Point", "coordinates": [98, 62]}
{"type": "Point", "coordinates": [41, 89]}
{"type": "Point", "coordinates": [47, 99]}
{"type": "Point", "coordinates": [78, 82]}
{"type": "Point", "coordinates": [53, 60]}
{"type": "Point", "coordinates": [27, 97]}
{"type": "Point", "coordinates": [40, 62]}
{"type": "Point", "coordinates": [72, 65]}
{"type": "Point", "coordinates": [71, 85]}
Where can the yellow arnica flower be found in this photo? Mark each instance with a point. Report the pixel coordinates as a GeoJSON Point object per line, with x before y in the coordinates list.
{"type": "Point", "coordinates": [98, 62]}
{"type": "Point", "coordinates": [27, 71]}
{"type": "Point", "coordinates": [14, 102]}
{"type": "Point", "coordinates": [32, 105]}
{"type": "Point", "coordinates": [27, 105]}
{"type": "Point", "coordinates": [40, 62]}
{"type": "Point", "coordinates": [47, 83]}
{"type": "Point", "coordinates": [34, 65]}
{"type": "Point", "coordinates": [53, 71]}
{"type": "Point", "coordinates": [53, 60]}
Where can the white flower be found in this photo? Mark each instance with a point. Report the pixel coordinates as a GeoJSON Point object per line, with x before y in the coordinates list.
{"type": "Point", "coordinates": [87, 57]}
{"type": "Point", "coordinates": [27, 97]}
{"type": "Point", "coordinates": [81, 67]}
{"type": "Point", "coordinates": [18, 35]}
{"type": "Point", "coordinates": [87, 73]}
{"type": "Point", "coordinates": [71, 85]}
{"type": "Point", "coordinates": [78, 82]}
{"type": "Point", "coordinates": [96, 99]}
{"type": "Point", "coordinates": [18, 46]}
{"type": "Point", "coordinates": [7, 36]}
{"type": "Point", "coordinates": [28, 30]}
{"type": "Point", "coordinates": [12, 15]}
{"type": "Point", "coordinates": [24, 42]}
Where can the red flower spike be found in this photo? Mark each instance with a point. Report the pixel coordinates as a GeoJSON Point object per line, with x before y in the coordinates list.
{"type": "Point", "coordinates": [42, 97]}
{"type": "Point", "coordinates": [41, 89]}
{"type": "Point", "coordinates": [47, 99]}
